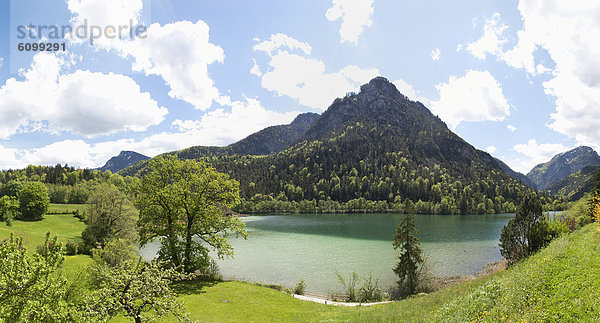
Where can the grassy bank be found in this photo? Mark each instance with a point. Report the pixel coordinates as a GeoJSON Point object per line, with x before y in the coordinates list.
{"type": "Point", "coordinates": [560, 283]}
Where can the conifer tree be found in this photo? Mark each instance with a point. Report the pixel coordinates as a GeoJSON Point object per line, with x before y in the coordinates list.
{"type": "Point", "coordinates": [411, 255]}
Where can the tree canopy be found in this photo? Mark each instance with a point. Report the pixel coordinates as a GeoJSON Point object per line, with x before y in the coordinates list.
{"type": "Point", "coordinates": [186, 204]}
{"type": "Point", "coordinates": [33, 201]}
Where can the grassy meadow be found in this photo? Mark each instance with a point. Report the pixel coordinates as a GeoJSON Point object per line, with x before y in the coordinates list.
{"type": "Point", "coordinates": [560, 283]}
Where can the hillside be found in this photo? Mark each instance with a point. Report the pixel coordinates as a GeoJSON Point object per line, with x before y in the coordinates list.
{"type": "Point", "coordinates": [124, 159]}
{"type": "Point", "coordinates": [516, 175]}
{"type": "Point", "coordinates": [379, 146]}
{"type": "Point", "coordinates": [563, 165]}
{"type": "Point", "coordinates": [575, 185]}
{"type": "Point", "coordinates": [267, 141]}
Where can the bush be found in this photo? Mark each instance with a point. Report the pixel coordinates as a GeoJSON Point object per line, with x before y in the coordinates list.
{"type": "Point", "coordinates": [300, 287]}
{"type": "Point", "coordinates": [368, 292]}
{"type": "Point", "coordinates": [82, 249]}
{"type": "Point", "coordinates": [33, 201]}
{"type": "Point", "coordinates": [212, 271]}
{"type": "Point", "coordinates": [71, 248]}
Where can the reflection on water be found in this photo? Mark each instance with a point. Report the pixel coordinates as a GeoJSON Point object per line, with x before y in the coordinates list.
{"type": "Point", "coordinates": [284, 249]}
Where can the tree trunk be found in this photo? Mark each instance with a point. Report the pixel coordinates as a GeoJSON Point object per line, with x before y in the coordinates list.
{"type": "Point", "coordinates": [188, 245]}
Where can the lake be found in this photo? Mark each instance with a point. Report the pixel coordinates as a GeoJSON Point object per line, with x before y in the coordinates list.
{"type": "Point", "coordinates": [282, 249]}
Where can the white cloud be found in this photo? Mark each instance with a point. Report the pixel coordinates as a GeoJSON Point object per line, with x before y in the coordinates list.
{"type": "Point", "coordinates": [83, 102]}
{"type": "Point", "coordinates": [105, 13]}
{"type": "Point", "coordinates": [304, 78]}
{"type": "Point", "coordinates": [491, 149]}
{"type": "Point", "coordinates": [435, 54]}
{"type": "Point", "coordinates": [255, 70]}
{"type": "Point", "coordinates": [477, 96]}
{"type": "Point", "coordinates": [536, 154]}
{"type": "Point", "coordinates": [569, 32]}
{"type": "Point", "coordinates": [491, 41]}
{"type": "Point", "coordinates": [355, 15]}
{"type": "Point", "coordinates": [180, 53]}
{"type": "Point", "coordinates": [280, 40]}
{"type": "Point", "coordinates": [511, 128]}
{"type": "Point", "coordinates": [409, 91]}
{"type": "Point", "coordinates": [214, 128]}
{"type": "Point", "coordinates": [1, 62]}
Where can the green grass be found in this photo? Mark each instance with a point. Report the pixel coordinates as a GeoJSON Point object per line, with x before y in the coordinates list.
{"type": "Point", "coordinates": [65, 226]}
{"type": "Point", "coordinates": [66, 208]}
{"type": "Point", "coordinates": [559, 284]}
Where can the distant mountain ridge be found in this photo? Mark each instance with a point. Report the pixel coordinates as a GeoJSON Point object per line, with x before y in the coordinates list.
{"type": "Point", "coordinates": [124, 159]}
{"type": "Point", "coordinates": [562, 165]}
{"type": "Point", "coordinates": [514, 174]}
{"type": "Point", "coordinates": [264, 142]}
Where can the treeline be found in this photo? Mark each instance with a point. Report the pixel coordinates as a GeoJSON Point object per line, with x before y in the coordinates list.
{"type": "Point", "coordinates": [267, 204]}
{"type": "Point", "coordinates": [65, 184]}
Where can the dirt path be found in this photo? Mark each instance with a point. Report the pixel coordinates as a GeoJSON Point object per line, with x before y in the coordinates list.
{"type": "Point", "coordinates": [328, 302]}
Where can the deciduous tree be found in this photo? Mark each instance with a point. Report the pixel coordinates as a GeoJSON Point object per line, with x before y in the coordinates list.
{"type": "Point", "coordinates": [111, 215]}
{"type": "Point", "coordinates": [33, 201]}
{"type": "Point", "coordinates": [186, 203]}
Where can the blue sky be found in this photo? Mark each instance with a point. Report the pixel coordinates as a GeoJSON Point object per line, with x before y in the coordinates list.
{"type": "Point", "coordinates": [519, 79]}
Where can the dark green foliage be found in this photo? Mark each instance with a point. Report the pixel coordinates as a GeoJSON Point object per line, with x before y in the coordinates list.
{"type": "Point", "coordinates": [71, 248]}
{"type": "Point", "coordinates": [526, 233]}
{"type": "Point", "coordinates": [516, 175]}
{"type": "Point", "coordinates": [12, 188]}
{"type": "Point", "coordinates": [33, 201]}
{"type": "Point", "coordinates": [9, 206]}
{"type": "Point", "coordinates": [115, 253]}
{"type": "Point", "coordinates": [111, 215]}
{"type": "Point", "coordinates": [411, 256]}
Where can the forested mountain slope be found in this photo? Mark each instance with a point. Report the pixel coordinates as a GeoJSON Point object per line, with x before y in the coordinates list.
{"type": "Point", "coordinates": [376, 145]}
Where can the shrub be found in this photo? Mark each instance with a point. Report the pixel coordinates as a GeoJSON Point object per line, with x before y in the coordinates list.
{"type": "Point", "coordinates": [300, 287]}
{"type": "Point", "coordinates": [212, 271]}
{"type": "Point", "coordinates": [71, 248]}
{"type": "Point", "coordinates": [370, 291]}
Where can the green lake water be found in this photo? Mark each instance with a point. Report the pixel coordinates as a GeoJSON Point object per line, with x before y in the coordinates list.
{"type": "Point", "coordinates": [282, 249]}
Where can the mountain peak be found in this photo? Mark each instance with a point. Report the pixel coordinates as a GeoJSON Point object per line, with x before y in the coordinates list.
{"type": "Point", "coordinates": [124, 159]}
{"type": "Point", "coordinates": [378, 84]}
{"type": "Point", "coordinates": [380, 101]}
{"type": "Point", "coordinates": [562, 165]}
